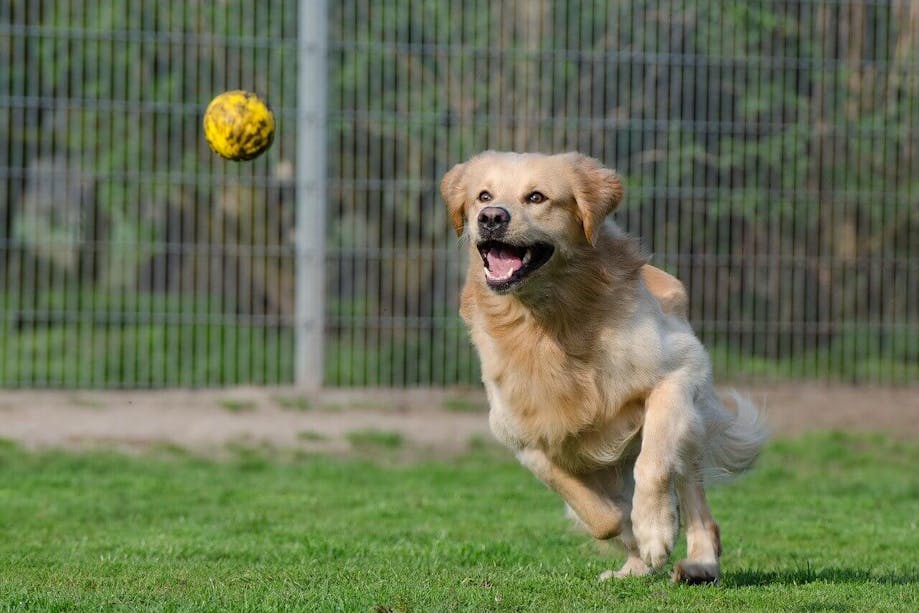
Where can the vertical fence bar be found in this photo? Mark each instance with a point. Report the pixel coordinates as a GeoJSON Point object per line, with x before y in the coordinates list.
{"type": "Point", "coordinates": [311, 192]}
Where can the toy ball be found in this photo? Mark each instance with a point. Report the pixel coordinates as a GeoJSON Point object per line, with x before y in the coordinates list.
{"type": "Point", "coordinates": [238, 125]}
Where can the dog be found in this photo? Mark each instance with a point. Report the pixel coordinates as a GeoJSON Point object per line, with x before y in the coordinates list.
{"type": "Point", "coordinates": [593, 374]}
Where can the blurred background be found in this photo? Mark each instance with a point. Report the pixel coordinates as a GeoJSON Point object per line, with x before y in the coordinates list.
{"type": "Point", "coordinates": [770, 152]}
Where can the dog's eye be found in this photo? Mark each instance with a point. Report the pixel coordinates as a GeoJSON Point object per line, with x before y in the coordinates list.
{"type": "Point", "coordinates": [536, 197]}
{"type": "Point", "coordinates": [484, 196]}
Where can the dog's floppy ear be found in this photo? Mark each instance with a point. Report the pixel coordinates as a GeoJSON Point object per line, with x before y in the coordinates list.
{"type": "Point", "coordinates": [454, 194]}
{"type": "Point", "coordinates": [597, 190]}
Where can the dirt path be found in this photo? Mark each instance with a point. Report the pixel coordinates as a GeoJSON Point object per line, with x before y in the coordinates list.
{"type": "Point", "coordinates": [442, 421]}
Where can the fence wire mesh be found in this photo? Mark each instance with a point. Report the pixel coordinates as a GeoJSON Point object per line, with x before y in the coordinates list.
{"type": "Point", "coordinates": [769, 152]}
{"type": "Point", "coordinates": [129, 254]}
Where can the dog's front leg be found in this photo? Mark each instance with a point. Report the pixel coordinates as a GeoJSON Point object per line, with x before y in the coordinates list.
{"type": "Point", "coordinates": [669, 435]}
{"type": "Point", "coordinates": [602, 518]}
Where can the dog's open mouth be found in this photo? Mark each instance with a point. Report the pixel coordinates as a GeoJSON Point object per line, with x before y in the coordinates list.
{"type": "Point", "coordinates": [507, 265]}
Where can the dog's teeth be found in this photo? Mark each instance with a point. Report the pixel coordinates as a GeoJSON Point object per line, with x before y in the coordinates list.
{"type": "Point", "coordinates": [526, 257]}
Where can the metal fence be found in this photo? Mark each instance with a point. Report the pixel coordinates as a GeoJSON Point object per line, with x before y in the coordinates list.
{"type": "Point", "coordinates": [770, 152]}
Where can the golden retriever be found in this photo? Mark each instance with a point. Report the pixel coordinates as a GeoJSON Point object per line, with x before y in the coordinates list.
{"type": "Point", "coordinates": [593, 374]}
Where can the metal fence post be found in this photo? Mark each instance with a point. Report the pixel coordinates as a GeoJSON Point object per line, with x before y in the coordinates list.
{"type": "Point", "coordinates": [311, 192]}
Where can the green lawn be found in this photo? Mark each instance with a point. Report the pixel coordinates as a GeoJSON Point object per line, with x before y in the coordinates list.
{"type": "Point", "coordinates": [827, 522]}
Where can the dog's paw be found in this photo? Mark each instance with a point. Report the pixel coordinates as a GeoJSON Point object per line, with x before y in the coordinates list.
{"type": "Point", "coordinates": [633, 567]}
{"type": "Point", "coordinates": [655, 552]}
{"type": "Point", "coordinates": [690, 572]}
{"type": "Point", "coordinates": [654, 524]}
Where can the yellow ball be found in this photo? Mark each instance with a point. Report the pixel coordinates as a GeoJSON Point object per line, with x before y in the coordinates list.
{"type": "Point", "coordinates": [238, 125]}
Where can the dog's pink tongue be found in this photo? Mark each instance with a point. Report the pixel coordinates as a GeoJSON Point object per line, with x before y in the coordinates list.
{"type": "Point", "coordinates": [503, 262]}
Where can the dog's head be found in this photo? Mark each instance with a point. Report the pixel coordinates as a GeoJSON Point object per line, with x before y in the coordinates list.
{"type": "Point", "coordinates": [521, 210]}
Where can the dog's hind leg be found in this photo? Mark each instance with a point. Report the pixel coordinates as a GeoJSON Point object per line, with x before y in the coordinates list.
{"type": "Point", "coordinates": [703, 541]}
{"type": "Point", "coordinates": [667, 289]}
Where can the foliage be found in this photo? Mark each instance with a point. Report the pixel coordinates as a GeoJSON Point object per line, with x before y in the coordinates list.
{"type": "Point", "coordinates": [825, 522]}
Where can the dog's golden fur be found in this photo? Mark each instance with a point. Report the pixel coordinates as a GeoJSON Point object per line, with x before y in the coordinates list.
{"type": "Point", "coordinates": [594, 377]}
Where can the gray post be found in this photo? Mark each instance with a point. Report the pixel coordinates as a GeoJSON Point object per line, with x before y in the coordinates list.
{"type": "Point", "coordinates": [311, 192]}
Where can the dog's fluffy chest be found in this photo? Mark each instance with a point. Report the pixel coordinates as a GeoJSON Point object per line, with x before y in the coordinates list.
{"type": "Point", "coordinates": [578, 436]}
{"type": "Point", "coordinates": [583, 412]}
{"type": "Point", "coordinates": [569, 376]}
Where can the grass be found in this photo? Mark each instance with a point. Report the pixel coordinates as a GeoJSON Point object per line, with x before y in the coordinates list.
{"type": "Point", "coordinates": [464, 405]}
{"type": "Point", "coordinates": [369, 438]}
{"type": "Point", "coordinates": [826, 522]}
{"type": "Point", "coordinates": [235, 405]}
{"type": "Point", "coordinates": [311, 436]}
{"type": "Point", "coordinates": [294, 403]}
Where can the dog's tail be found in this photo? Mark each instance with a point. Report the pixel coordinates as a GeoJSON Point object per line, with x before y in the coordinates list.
{"type": "Point", "coordinates": [735, 439]}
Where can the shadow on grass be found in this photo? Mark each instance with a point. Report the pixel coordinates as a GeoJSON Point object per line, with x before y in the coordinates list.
{"type": "Point", "coordinates": [799, 576]}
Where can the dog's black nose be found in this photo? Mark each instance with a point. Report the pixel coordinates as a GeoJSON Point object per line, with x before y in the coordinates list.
{"type": "Point", "coordinates": [493, 219]}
